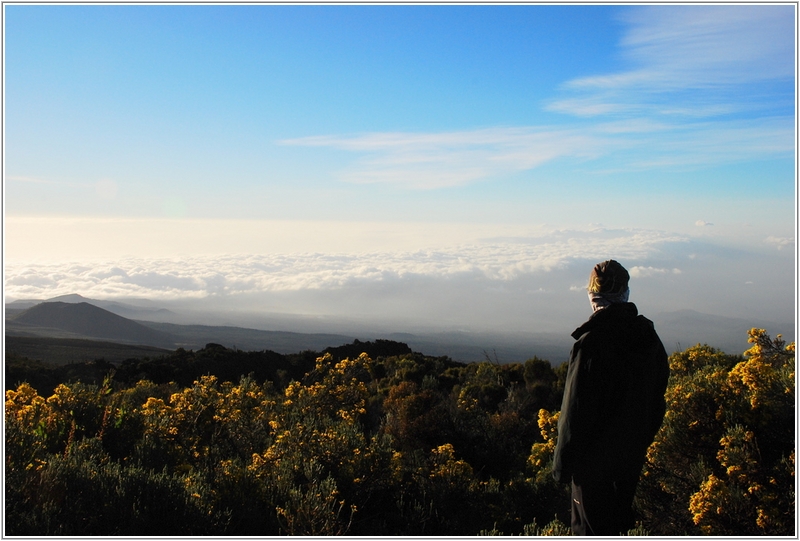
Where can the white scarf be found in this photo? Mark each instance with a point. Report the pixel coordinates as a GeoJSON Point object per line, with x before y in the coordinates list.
{"type": "Point", "coordinates": [601, 300]}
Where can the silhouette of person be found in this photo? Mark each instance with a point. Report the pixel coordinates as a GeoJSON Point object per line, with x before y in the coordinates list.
{"type": "Point", "coordinates": [613, 406]}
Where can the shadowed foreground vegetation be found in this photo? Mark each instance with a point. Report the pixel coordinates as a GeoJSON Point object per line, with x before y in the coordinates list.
{"type": "Point", "coordinates": [373, 439]}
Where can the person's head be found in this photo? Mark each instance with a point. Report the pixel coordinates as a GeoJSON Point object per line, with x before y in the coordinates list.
{"type": "Point", "coordinates": [608, 284]}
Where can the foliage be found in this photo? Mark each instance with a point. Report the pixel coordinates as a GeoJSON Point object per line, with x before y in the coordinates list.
{"type": "Point", "coordinates": [723, 462]}
{"type": "Point", "coordinates": [231, 443]}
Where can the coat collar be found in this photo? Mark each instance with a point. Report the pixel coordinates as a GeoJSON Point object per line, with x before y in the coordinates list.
{"type": "Point", "coordinates": [610, 313]}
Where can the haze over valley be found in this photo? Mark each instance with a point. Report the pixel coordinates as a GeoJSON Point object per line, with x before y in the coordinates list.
{"type": "Point", "coordinates": [143, 322]}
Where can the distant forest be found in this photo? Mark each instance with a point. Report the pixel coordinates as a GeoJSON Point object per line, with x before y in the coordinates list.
{"type": "Point", "coordinates": [373, 439]}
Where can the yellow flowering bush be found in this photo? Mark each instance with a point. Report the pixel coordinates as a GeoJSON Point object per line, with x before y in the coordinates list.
{"type": "Point", "coordinates": [723, 462]}
{"type": "Point", "coordinates": [444, 466]}
{"type": "Point", "coordinates": [541, 456]}
{"type": "Point", "coordinates": [405, 445]}
{"type": "Point", "coordinates": [32, 430]}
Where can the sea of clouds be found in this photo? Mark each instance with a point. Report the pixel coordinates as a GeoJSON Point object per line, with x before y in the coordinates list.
{"type": "Point", "coordinates": [508, 283]}
{"type": "Point", "coordinates": [500, 260]}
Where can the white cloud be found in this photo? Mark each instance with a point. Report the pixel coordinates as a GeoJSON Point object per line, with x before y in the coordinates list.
{"type": "Point", "coordinates": [780, 242]}
{"type": "Point", "coordinates": [236, 275]}
{"type": "Point", "coordinates": [441, 160]}
{"type": "Point", "coordinates": [527, 282]}
{"type": "Point", "coordinates": [702, 223]}
{"type": "Point", "coordinates": [705, 50]}
{"type": "Point", "coordinates": [687, 63]}
{"type": "Point", "coordinates": [438, 160]}
{"type": "Point", "coordinates": [644, 272]}
{"type": "Point", "coordinates": [710, 45]}
{"type": "Point", "coordinates": [732, 140]}
{"type": "Point", "coordinates": [589, 106]}
{"type": "Point", "coordinates": [678, 47]}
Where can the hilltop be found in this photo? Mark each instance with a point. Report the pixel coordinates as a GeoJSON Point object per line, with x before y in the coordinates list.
{"type": "Point", "coordinates": [137, 310]}
{"type": "Point", "coordinates": [83, 320]}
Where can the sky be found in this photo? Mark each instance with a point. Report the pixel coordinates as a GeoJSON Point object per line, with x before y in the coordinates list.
{"type": "Point", "coordinates": [448, 166]}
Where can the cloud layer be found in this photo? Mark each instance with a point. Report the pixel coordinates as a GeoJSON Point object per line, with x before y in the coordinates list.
{"type": "Point", "coordinates": [504, 283]}
{"type": "Point", "coordinates": [195, 277]}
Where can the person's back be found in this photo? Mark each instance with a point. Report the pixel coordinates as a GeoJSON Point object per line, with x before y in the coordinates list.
{"type": "Point", "coordinates": [612, 408]}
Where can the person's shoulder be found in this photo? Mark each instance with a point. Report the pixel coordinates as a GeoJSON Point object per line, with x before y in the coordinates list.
{"type": "Point", "coordinates": [645, 322]}
{"type": "Point", "coordinates": [647, 331]}
{"type": "Point", "coordinates": [589, 335]}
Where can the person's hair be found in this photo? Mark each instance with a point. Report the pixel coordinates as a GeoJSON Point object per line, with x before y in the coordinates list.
{"type": "Point", "coordinates": [608, 277]}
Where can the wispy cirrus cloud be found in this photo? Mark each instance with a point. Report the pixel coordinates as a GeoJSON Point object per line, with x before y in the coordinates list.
{"type": "Point", "coordinates": [446, 159]}
{"type": "Point", "coordinates": [700, 144]}
{"type": "Point", "coordinates": [697, 75]}
{"type": "Point", "coordinates": [684, 60]}
{"type": "Point", "coordinates": [441, 160]}
{"type": "Point", "coordinates": [681, 46]}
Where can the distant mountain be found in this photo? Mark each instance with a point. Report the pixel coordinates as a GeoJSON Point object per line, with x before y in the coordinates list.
{"type": "Point", "coordinates": [685, 328]}
{"type": "Point", "coordinates": [120, 308]}
{"type": "Point", "coordinates": [23, 304]}
{"type": "Point", "coordinates": [83, 320]}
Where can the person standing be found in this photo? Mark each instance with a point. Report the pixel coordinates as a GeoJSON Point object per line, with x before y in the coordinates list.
{"type": "Point", "coordinates": [612, 408]}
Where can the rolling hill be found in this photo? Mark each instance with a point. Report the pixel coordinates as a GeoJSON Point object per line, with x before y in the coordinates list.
{"type": "Point", "coordinates": [143, 310]}
{"type": "Point", "coordinates": [83, 320]}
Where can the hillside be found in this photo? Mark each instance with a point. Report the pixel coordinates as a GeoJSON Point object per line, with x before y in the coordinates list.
{"type": "Point", "coordinates": [197, 336]}
{"type": "Point", "coordinates": [684, 328]}
{"type": "Point", "coordinates": [60, 351]}
{"type": "Point", "coordinates": [141, 310]}
{"type": "Point", "coordinates": [73, 317]}
{"type": "Point", "coordinates": [83, 320]}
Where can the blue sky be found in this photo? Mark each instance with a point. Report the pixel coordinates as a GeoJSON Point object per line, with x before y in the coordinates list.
{"type": "Point", "coordinates": [357, 151]}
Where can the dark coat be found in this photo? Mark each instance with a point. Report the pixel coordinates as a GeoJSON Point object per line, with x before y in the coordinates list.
{"type": "Point", "coordinates": [614, 396]}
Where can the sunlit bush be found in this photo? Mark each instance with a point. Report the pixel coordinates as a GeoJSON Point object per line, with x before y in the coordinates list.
{"type": "Point", "coordinates": [723, 462]}
{"type": "Point", "coordinates": [399, 446]}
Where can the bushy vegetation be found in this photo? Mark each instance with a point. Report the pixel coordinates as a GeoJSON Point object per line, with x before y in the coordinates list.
{"type": "Point", "coordinates": [723, 462]}
{"type": "Point", "coordinates": [379, 442]}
